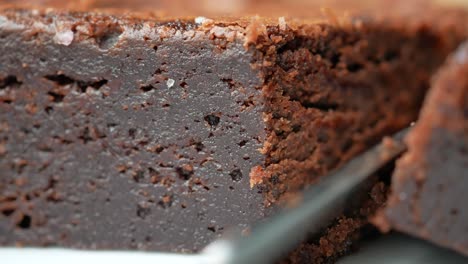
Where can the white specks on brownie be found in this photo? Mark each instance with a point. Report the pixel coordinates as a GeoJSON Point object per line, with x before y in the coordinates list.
{"type": "Point", "coordinates": [200, 20]}
{"type": "Point", "coordinates": [282, 23]}
{"type": "Point", "coordinates": [203, 21]}
{"type": "Point", "coordinates": [170, 83]}
{"type": "Point", "coordinates": [64, 37]}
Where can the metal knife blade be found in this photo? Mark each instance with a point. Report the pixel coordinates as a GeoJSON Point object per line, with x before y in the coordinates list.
{"type": "Point", "coordinates": [271, 240]}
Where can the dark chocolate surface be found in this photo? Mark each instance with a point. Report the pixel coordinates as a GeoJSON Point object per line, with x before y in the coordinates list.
{"type": "Point", "coordinates": [125, 139]}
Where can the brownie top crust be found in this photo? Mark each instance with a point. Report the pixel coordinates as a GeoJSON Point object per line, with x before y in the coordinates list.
{"type": "Point", "coordinates": [297, 8]}
{"type": "Point", "coordinates": [300, 13]}
{"type": "Point", "coordinates": [253, 31]}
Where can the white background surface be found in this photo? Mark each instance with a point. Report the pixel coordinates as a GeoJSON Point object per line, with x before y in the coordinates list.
{"type": "Point", "coordinates": [392, 249]}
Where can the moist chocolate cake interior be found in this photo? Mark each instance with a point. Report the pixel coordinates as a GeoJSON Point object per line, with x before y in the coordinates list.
{"type": "Point", "coordinates": [330, 95]}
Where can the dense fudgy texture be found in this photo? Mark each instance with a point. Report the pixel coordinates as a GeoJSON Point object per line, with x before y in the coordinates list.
{"type": "Point", "coordinates": [148, 133]}
{"type": "Point", "coordinates": [101, 149]}
{"type": "Point", "coordinates": [429, 188]}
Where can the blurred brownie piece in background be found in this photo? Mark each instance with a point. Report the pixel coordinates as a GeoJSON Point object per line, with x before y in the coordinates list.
{"type": "Point", "coordinates": [430, 184]}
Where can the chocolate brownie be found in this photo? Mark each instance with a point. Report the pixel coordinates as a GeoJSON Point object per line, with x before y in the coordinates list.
{"type": "Point", "coordinates": [138, 131]}
{"type": "Point", "coordinates": [430, 184]}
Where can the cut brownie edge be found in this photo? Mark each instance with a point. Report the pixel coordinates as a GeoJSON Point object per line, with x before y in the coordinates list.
{"type": "Point", "coordinates": [317, 88]}
{"type": "Point", "coordinates": [114, 132]}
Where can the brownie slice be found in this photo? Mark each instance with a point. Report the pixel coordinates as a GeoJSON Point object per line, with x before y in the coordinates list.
{"type": "Point", "coordinates": [146, 132]}
{"type": "Point", "coordinates": [430, 184]}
